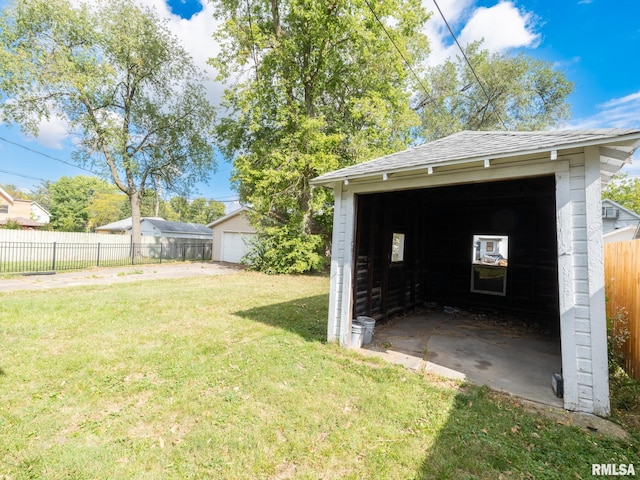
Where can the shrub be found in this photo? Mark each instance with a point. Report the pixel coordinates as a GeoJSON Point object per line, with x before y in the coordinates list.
{"type": "Point", "coordinates": [281, 249]}
{"type": "Point", "coordinates": [617, 335]}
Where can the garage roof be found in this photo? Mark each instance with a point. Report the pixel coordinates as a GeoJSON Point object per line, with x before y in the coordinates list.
{"type": "Point", "coordinates": [471, 146]}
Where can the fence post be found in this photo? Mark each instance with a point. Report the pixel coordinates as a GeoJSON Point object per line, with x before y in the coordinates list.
{"type": "Point", "coordinates": [160, 252]}
{"type": "Point", "coordinates": [98, 256]}
{"type": "Point", "coordinates": [53, 263]}
{"type": "Point", "coordinates": [133, 251]}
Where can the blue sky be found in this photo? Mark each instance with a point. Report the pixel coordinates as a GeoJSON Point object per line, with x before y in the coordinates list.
{"type": "Point", "coordinates": [594, 42]}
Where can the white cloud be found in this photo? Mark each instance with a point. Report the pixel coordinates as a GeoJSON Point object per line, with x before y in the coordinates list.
{"type": "Point", "coordinates": [195, 35]}
{"type": "Point", "coordinates": [631, 99]}
{"type": "Point", "coordinates": [53, 132]}
{"type": "Point", "coordinates": [623, 112]}
{"type": "Point", "coordinates": [502, 26]}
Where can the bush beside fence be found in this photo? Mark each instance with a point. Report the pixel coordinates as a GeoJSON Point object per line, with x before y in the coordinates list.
{"type": "Point", "coordinates": [622, 283]}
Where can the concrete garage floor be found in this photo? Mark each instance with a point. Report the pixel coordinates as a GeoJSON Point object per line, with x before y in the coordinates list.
{"type": "Point", "coordinates": [500, 352]}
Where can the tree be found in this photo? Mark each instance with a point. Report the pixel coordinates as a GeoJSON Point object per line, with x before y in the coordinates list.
{"type": "Point", "coordinates": [199, 210]}
{"type": "Point", "coordinates": [14, 191]}
{"type": "Point", "coordinates": [105, 207]}
{"type": "Point", "coordinates": [42, 194]}
{"type": "Point", "coordinates": [314, 86]}
{"type": "Point", "coordinates": [525, 94]}
{"type": "Point", "coordinates": [624, 190]}
{"type": "Point", "coordinates": [205, 211]}
{"type": "Point", "coordinates": [71, 199]}
{"type": "Point", "coordinates": [121, 81]}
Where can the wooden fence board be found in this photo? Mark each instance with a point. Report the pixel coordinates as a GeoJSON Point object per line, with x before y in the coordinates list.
{"type": "Point", "coordinates": [622, 283]}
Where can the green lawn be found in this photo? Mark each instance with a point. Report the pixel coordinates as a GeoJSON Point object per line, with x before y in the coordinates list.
{"type": "Point", "coordinates": [230, 377]}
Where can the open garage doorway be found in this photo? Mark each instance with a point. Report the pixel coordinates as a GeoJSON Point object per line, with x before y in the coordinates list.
{"type": "Point", "coordinates": [467, 275]}
{"type": "Point", "coordinates": [414, 226]}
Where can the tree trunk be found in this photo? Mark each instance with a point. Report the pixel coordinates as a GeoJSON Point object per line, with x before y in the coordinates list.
{"type": "Point", "coordinates": [136, 232]}
{"type": "Point", "coordinates": [306, 208]}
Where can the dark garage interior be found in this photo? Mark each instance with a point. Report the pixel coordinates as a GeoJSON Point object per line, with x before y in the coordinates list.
{"type": "Point", "coordinates": [482, 247]}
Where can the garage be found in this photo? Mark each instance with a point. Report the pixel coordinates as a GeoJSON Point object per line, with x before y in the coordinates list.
{"type": "Point", "coordinates": [232, 235]}
{"type": "Point", "coordinates": [235, 245]}
{"type": "Point", "coordinates": [506, 222]}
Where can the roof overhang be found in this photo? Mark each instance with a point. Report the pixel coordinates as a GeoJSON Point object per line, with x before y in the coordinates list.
{"type": "Point", "coordinates": [615, 151]}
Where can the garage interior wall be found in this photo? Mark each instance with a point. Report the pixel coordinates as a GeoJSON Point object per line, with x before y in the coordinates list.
{"type": "Point", "coordinates": [439, 225]}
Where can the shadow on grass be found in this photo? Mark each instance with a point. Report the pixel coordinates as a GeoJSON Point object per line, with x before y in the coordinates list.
{"type": "Point", "coordinates": [306, 317]}
{"type": "Point", "coordinates": [488, 436]}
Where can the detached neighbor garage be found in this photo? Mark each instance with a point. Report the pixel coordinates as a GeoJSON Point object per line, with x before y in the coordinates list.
{"type": "Point", "coordinates": [232, 235]}
{"type": "Point", "coordinates": [487, 221]}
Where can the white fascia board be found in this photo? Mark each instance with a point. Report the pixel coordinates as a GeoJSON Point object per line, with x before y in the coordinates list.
{"type": "Point", "coordinates": [629, 140]}
{"type": "Point", "coordinates": [481, 174]}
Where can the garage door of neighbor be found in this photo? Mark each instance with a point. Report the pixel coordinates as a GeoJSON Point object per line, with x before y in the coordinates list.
{"type": "Point", "coordinates": [234, 246]}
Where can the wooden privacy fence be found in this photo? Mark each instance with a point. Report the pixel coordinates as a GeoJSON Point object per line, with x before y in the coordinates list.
{"type": "Point", "coordinates": [622, 283]}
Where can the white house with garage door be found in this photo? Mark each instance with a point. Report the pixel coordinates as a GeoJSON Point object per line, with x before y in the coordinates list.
{"type": "Point", "coordinates": [232, 235]}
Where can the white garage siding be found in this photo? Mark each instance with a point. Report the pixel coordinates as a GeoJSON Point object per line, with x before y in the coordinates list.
{"type": "Point", "coordinates": [580, 161]}
{"type": "Point", "coordinates": [231, 236]}
{"type": "Point", "coordinates": [235, 245]}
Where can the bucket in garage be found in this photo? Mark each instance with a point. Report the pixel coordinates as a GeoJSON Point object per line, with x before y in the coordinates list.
{"type": "Point", "coordinates": [369, 324]}
{"type": "Point", "coordinates": [358, 331]}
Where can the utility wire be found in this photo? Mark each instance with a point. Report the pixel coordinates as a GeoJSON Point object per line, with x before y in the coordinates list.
{"type": "Point", "coordinates": [48, 156]}
{"type": "Point", "coordinates": [420, 82]}
{"type": "Point", "coordinates": [232, 198]}
{"type": "Point", "coordinates": [21, 175]}
{"type": "Point", "coordinates": [470, 66]}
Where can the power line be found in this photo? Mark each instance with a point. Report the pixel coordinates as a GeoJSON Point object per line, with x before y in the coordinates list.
{"type": "Point", "coordinates": [22, 175]}
{"type": "Point", "coordinates": [470, 66]}
{"type": "Point", "coordinates": [422, 85]}
{"type": "Point", "coordinates": [48, 156]}
{"type": "Point", "coordinates": [225, 199]}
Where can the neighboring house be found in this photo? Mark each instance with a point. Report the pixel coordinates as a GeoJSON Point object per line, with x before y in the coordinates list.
{"type": "Point", "coordinates": [232, 235]}
{"type": "Point", "coordinates": [540, 191]}
{"type": "Point", "coordinates": [27, 213]}
{"type": "Point", "coordinates": [615, 216]}
{"type": "Point", "coordinates": [622, 234]}
{"type": "Point", "coordinates": [159, 227]}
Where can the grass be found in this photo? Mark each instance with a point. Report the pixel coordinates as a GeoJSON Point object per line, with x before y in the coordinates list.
{"type": "Point", "coordinates": [230, 377]}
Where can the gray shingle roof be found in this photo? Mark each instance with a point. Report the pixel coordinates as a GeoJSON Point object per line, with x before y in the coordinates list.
{"type": "Point", "coordinates": [161, 224]}
{"type": "Point", "coordinates": [178, 227]}
{"type": "Point", "coordinates": [124, 224]}
{"type": "Point", "coordinates": [477, 145]}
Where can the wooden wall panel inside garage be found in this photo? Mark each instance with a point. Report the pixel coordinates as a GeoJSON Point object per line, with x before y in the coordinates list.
{"type": "Point", "coordinates": [439, 225]}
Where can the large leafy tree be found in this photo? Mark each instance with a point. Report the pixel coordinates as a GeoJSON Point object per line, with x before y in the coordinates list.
{"type": "Point", "coordinates": [314, 86]}
{"type": "Point", "coordinates": [71, 201]}
{"type": "Point", "coordinates": [512, 92]}
{"type": "Point", "coordinates": [105, 207]}
{"type": "Point", "coordinates": [624, 190]}
{"type": "Point", "coordinates": [199, 210]}
{"type": "Point", "coordinates": [122, 82]}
